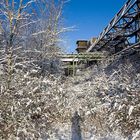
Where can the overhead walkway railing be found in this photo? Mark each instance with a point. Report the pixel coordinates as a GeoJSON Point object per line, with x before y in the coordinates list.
{"type": "Point", "coordinates": [82, 56]}
{"type": "Point", "coordinates": [124, 26]}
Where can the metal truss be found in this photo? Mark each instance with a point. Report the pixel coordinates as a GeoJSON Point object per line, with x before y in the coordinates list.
{"type": "Point", "coordinates": [123, 30]}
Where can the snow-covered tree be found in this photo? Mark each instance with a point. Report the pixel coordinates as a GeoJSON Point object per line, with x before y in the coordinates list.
{"type": "Point", "coordinates": [30, 98]}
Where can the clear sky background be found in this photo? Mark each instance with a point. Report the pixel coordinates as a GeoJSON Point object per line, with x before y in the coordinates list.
{"type": "Point", "coordinates": [89, 17]}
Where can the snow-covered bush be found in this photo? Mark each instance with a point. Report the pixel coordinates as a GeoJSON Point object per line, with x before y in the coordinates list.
{"type": "Point", "coordinates": [30, 111]}
{"type": "Point", "coordinates": [107, 101]}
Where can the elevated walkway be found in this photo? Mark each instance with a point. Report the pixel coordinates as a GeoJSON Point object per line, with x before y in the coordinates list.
{"type": "Point", "coordinates": [74, 62]}
{"type": "Point", "coordinates": [82, 57]}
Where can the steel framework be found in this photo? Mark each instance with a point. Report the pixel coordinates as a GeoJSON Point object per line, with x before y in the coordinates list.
{"type": "Point", "coordinates": [123, 30]}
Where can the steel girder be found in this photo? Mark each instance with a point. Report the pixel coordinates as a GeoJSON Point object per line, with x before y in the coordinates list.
{"type": "Point", "coordinates": [123, 28]}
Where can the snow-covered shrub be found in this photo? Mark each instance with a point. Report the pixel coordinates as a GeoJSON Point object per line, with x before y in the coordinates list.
{"type": "Point", "coordinates": [108, 102]}
{"type": "Point", "coordinates": [29, 109]}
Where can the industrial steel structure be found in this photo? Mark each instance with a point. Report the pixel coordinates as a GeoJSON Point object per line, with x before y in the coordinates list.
{"type": "Point", "coordinates": [120, 36]}
{"type": "Point", "coordinates": [73, 62]}
{"type": "Point", "coordinates": [123, 31]}
{"type": "Point", "coordinates": [82, 57]}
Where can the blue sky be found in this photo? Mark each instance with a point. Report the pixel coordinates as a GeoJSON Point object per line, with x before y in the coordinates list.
{"type": "Point", "coordinates": [89, 17]}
